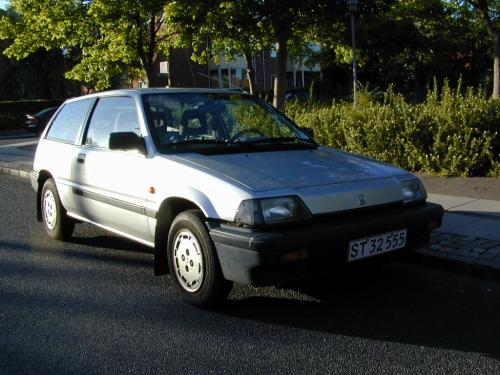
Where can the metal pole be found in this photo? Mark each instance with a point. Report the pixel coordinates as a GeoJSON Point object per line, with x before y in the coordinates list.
{"type": "Point", "coordinates": [219, 72]}
{"type": "Point", "coordinates": [354, 63]}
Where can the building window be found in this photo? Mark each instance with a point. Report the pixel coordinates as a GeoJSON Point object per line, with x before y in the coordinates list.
{"type": "Point", "coordinates": [232, 77]}
{"type": "Point", "coordinates": [239, 73]}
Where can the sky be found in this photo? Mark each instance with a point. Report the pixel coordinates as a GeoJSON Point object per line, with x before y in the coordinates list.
{"type": "Point", "coordinates": [3, 4]}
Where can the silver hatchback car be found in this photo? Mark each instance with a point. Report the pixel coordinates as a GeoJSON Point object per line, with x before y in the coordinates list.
{"type": "Point", "coordinates": [223, 186]}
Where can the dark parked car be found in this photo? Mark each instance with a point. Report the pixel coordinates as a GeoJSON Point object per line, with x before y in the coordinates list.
{"type": "Point", "coordinates": [36, 123]}
{"type": "Point", "coordinates": [298, 95]}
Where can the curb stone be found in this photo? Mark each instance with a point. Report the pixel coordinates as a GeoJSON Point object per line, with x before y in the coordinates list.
{"type": "Point", "coordinates": [14, 172]}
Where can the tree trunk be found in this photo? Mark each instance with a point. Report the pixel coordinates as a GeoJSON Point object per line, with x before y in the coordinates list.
{"type": "Point", "coordinates": [149, 56]}
{"type": "Point", "coordinates": [496, 68]}
{"type": "Point", "coordinates": [154, 79]}
{"type": "Point", "coordinates": [251, 73]}
{"type": "Point", "coordinates": [152, 68]}
{"type": "Point", "coordinates": [494, 33]}
{"type": "Point", "coordinates": [280, 80]}
{"type": "Point", "coordinates": [150, 75]}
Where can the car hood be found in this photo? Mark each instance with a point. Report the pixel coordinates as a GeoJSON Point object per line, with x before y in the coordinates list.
{"type": "Point", "coordinates": [260, 171]}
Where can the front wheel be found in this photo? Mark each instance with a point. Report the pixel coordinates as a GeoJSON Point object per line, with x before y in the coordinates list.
{"type": "Point", "coordinates": [55, 220]}
{"type": "Point", "coordinates": [193, 261]}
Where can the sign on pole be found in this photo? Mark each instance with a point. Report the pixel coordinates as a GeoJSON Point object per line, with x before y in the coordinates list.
{"type": "Point", "coordinates": [164, 67]}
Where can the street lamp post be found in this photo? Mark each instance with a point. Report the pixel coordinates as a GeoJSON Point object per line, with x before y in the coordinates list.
{"type": "Point", "coordinates": [353, 7]}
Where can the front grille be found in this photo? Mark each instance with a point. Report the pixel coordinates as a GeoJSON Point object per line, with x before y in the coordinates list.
{"type": "Point", "coordinates": [381, 209]}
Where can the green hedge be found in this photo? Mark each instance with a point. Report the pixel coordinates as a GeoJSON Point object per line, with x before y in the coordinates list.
{"type": "Point", "coordinates": [451, 133]}
{"type": "Point", "coordinates": [13, 113]}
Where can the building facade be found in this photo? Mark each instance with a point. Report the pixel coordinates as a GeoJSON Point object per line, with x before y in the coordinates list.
{"type": "Point", "coordinates": [184, 72]}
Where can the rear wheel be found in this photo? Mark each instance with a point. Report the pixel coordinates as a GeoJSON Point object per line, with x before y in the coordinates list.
{"type": "Point", "coordinates": [193, 261]}
{"type": "Point", "coordinates": [55, 220]}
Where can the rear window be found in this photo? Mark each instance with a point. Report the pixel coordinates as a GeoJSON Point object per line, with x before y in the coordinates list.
{"type": "Point", "coordinates": [69, 120]}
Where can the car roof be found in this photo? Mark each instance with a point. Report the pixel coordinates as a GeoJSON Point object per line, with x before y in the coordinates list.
{"type": "Point", "coordinates": [146, 91]}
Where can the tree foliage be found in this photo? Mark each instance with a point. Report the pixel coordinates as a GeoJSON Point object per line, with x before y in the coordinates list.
{"type": "Point", "coordinates": [407, 43]}
{"type": "Point", "coordinates": [41, 75]}
{"type": "Point", "coordinates": [111, 36]}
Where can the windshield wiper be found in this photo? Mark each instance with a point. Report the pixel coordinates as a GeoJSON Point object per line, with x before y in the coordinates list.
{"type": "Point", "coordinates": [279, 140]}
{"type": "Point", "coordinates": [200, 142]}
{"type": "Point", "coordinates": [255, 142]}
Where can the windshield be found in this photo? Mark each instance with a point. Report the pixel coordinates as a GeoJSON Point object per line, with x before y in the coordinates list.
{"type": "Point", "coordinates": [210, 120]}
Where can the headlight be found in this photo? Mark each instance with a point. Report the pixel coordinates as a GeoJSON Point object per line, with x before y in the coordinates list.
{"type": "Point", "coordinates": [277, 210]}
{"type": "Point", "coordinates": [413, 191]}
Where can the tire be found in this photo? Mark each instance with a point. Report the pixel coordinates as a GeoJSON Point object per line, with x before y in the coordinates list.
{"type": "Point", "coordinates": [55, 220]}
{"type": "Point", "coordinates": [193, 261]}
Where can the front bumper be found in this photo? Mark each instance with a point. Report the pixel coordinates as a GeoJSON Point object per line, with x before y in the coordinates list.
{"type": "Point", "coordinates": [271, 257]}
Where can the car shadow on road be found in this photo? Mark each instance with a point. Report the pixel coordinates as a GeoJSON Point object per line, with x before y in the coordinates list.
{"type": "Point", "coordinates": [112, 243]}
{"type": "Point", "coordinates": [103, 249]}
{"type": "Point", "coordinates": [397, 304]}
{"type": "Point", "coordinates": [120, 254]}
{"type": "Point", "coordinates": [89, 235]}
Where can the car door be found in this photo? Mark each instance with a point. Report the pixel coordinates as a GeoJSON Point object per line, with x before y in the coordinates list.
{"type": "Point", "coordinates": [112, 184]}
{"type": "Point", "coordinates": [61, 141]}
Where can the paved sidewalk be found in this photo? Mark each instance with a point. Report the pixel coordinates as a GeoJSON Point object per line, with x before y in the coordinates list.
{"type": "Point", "coordinates": [469, 238]}
{"type": "Point", "coordinates": [469, 216]}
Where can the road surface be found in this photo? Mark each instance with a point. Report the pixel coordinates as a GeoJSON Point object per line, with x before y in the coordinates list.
{"type": "Point", "coordinates": [93, 306]}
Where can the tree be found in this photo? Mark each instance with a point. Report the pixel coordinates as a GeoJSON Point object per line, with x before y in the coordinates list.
{"type": "Point", "coordinates": [289, 23]}
{"type": "Point", "coordinates": [235, 30]}
{"type": "Point", "coordinates": [406, 43]}
{"type": "Point", "coordinates": [245, 27]}
{"type": "Point", "coordinates": [41, 75]}
{"type": "Point", "coordinates": [411, 43]}
{"type": "Point", "coordinates": [218, 28]}
{"type": "Point", "coordinates": [489, 11]}
{"type": "Point", "coordinates": [112, 36]}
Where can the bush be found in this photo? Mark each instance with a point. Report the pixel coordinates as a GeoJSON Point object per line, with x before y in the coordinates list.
{"type": "Point", "coordinates": [13, 113]}
{"type": "Point", "coordinates": [451, 133]}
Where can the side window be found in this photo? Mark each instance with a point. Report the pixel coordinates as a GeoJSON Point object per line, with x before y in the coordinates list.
{"type": "Point", "coordinates": [69, 120]}
{"type": "Point", "coordinates": [112, 115]}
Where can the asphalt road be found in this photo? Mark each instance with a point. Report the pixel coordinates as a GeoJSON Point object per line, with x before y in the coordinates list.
{"type": "Point", "coordinates": [92, 305]}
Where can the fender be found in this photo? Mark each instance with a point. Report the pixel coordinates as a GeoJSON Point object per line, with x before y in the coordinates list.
{"type": "Point", "coordinates": [167, 210]}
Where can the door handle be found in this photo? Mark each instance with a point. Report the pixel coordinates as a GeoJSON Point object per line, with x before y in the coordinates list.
{"type": "Point", "coordinates": [81, 158]}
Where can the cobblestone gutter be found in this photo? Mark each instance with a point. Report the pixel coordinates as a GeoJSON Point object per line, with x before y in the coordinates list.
{"type": "Point", "coordinates": [472, 254]}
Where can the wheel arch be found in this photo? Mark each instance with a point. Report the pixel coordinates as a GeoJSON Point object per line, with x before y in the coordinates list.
{"type": "Point", "coordinates": [169, 209]}
{"type": "Point", "coordinates": [43, 176]}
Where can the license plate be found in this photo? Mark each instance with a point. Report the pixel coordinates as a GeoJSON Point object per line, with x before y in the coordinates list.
{"type": "Point", "coordinates": [378, 244]}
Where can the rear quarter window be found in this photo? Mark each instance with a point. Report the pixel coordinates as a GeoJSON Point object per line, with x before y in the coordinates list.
{"type": "Point", "coordinates": [111, 115]}
{"type": "Point", "coordinates": [69, 120]}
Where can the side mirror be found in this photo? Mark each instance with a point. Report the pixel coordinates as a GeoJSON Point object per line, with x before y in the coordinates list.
{"type": "Point", "coordinates": [309, 132]}
{"type": "Point", "coordinates": [126, 141]}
